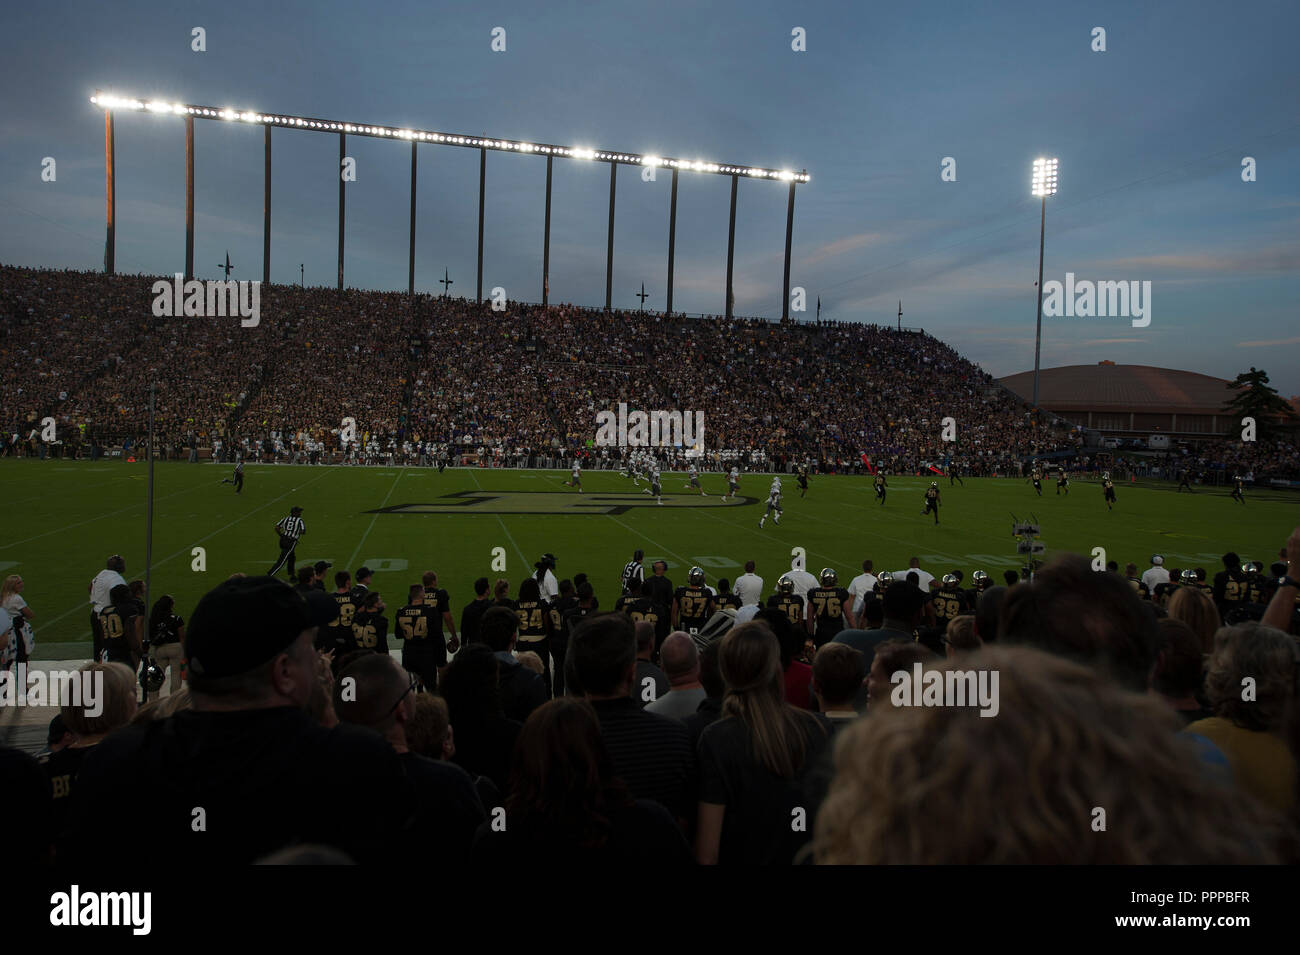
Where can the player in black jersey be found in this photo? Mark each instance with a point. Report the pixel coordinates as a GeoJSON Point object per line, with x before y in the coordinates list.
{"type": "Point", "coordinates": [122, 627]}
{"type": "Point", "coordinates": [337, 635]}
{"type": "Point", "coordinates": [640, 606]}
{"type": "Point", "coordinates": [1238, 489]}
{"type": "Point", "coordinates": [826, 608]}
{"type": "Point", "coordinates": [439, 601]}
{"type": "Point", "coordinates": [932, 501]}
{"type": "Point", "coordinates": [954, 474]}
{"type": "Point", "coordinates": [786, 601]}
{"type": "Point", "coordinates": [237, 478]}
{"type": "Point", "coordinates": [1062, 482]}
{"type": "Point", "coordinates": [423, 651]}
{"type": "Point", "coordinates": [1108, 490]}
{"type": "Point", "coordinates": [370, 626]}
{"type": "Point", "coordinates": [535, 626]}
{"type": "Point", "coordinates": [881, 486]}
{"type": "Point", "coordinates": [948, 601]}
{"type": "Point", "coordinates": [803, 480]}
{"type": "Point", "coordinates": [1183, 481]}
{"type": "Point", "coordinates": [692, 604]}
{"type": "Point", "coordinates": [1037, 477]}
{"type": "Point", "coordinates": [725, 598]}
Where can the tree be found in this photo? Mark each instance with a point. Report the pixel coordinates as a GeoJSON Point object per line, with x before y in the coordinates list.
{"type": "Point", "coordinates": [1255, 399]}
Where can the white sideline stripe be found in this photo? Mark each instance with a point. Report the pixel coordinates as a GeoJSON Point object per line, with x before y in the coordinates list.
{"type": "Point", "coordinates": [353, 559]}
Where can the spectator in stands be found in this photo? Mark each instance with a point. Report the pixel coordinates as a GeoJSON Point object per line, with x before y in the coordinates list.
{"type": "Point", "coordinates": [1178, 676]}
{"type": "Point", "coordinates": [1251, 686]}
{"type": "Point", "coordinates": [474, 610]}
{"type": "Point", "coordinates": [988, 613]}
{"type": "Point", "coordinates": [961, 637]}
{"type": "Point", "coordinates": [567, 806]}
{"type": "Point", "coordinates": [521, 690]}
{"type": "Point", "coordinates": [838, 672]}
{"type": "Point", "coordinates": [1071, 610]}
{"type": "Point", "coordinates": [753, 759]}
{"type": "Point", "coordinates": [651, 753]}
{"type": "Point", "coordinates": [888, 658]}
{"type": "Point", "coordinates": [1070, 729]}
{"type": "Point", "coordinates": [651, 683]}
{"type": "Point", "coordinates": [901, 605]}
{"type": "Point", "coordinates": [246, 753]}
{"type": "Point", "coordinates": [1195, 608]}
{"type": "Point", "coordinates": [681, 660]}
{"type": "Point", "coordinates": [444, 804]}
{"type": "Point", "coordinates": [485, 738]}
{"type": "Point", "coordinates": [715, 689]}
{"type": "Point", "coordinates": [11, 601]}
{"type": "Point", "coordinates": [796, 675]}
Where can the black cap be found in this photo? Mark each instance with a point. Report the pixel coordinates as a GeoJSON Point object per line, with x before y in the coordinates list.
{"type": "Point", "coordinates": [244, 622]}
{"type": "Point", "coordinates": [57, 729]}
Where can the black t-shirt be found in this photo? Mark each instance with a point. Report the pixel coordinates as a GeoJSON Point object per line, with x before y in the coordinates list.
{"type": "Point", "coordinates": [469, 618]}
{"type": "Point", "coordinates": [167, 631]}
{"type": "Point", "coordinates": [227, 788]}
{"type": "Point", "coordinates": [694, 605]}
{"type": "Point", "coordinates": [370, 631]}
{"type": "Point", "coordinates": [723, 601]}
{"type": "Point", "coordinates": [652, 754]}
{"type": "Point", "coordinates": [948, 604]}
{"type": "Point", "coordinates": [62, 768]}
{"type": "Point", "coordinates": [439, 600]}
{"type": "Point", "coordinates": [485, 748]}
{"type": "Point", "coordinates": [559, 607]}
{"type": "Point", "coordinates": [756, 828]}
{"type": "Point", "coordinates": [658, 589]}
{"type": "Point", "coordinates": [446, 808]}
{"type": "Point", "coordinates": [643, 608]}
{"type": "Point", "coordinates": [826, 604]}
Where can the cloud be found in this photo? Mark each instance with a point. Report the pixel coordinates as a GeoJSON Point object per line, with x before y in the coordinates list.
{"type": "Point", "coordinates": [1279, 258]}
{"type": "Point", "coordinates": [838, 247]}
{"type": "Point", "coordinates": [1294, 340]}
{"type": "Point", "coordinates": [1112, 341]}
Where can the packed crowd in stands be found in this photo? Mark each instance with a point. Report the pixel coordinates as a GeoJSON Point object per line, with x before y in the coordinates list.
{"type": "Point", "coordinates": [905, 718]}
{"type": "Point", "coordinates": [509, 385]}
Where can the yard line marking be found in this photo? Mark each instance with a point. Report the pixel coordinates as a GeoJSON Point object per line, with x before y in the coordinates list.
{"type": "Point", "coordinates": [658, 545]}
{"type": "Point", "coordinates": [522, 559]}
{"type": "Point", "coordinates": [353, 559]}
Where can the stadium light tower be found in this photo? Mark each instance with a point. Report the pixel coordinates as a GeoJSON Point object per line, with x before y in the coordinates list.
{"type": "Point", "coordinates": [1044, 185]}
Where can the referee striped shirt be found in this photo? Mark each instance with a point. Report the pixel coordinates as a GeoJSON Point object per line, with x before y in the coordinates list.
{"type": "Point", "coordinates": [632, 571]}
{"type": "Point", "coordinates": [291, 527]}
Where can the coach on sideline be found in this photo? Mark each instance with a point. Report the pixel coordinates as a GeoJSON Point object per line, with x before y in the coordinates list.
{"type": "Point", "coordinates": [246, 771]}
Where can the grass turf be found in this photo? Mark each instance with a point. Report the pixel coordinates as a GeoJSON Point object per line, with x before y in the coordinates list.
{"type": "Point", "coordinates": [64, 518]}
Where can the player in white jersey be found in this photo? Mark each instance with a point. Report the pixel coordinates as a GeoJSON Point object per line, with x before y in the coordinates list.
{"type": "Point", "coordinates": [733, 482]}
{"type": "Point", "coordinates": [694, 474]}
{"type": "Point", "coordinates": [773, 503]}
{"type": "Point", "coordinates": [654, 489]}
{"type": "Point", "coordinates": [576, 480]}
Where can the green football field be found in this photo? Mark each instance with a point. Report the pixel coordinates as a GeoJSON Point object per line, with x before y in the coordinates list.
{"type": "Point", "coordinates": [63, 519]}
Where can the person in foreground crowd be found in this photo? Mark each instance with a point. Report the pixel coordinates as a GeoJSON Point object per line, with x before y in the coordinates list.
{"type": "Point", "coordinates": [444, 804]}
{"type": "Point", "coordinates": [1251, 685]}
{"type": "Point", "coordinates": [838, 672]}
{"type": "Point", "coordinates": [681, 659]}
{"type": "Point", "coordinates": [715, 688]}
{"type": "Point", "coordinates": [1068, 729]}
{"type": "Point", "coordinates": [753, 759]}
{"type": "Point", "coordinates": [651, 753]}
{"type": "Point", "coordinates": [521, 690]}
{"type": "Point", "coordinates": [485, 738]}
{"type": "Point", "coordinates": [246, 772]}
{"type": "Point", "coordinates": [1177, 675]}
{"type": "Point", "coordinates": [566, 806]}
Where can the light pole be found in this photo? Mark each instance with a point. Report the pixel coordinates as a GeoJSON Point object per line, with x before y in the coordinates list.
{"type": "Point", "coordinates": [1044, 185]}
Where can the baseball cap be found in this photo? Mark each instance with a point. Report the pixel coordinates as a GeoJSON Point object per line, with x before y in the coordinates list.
{"type": "Point", "coordinates": [244, 622]}
{"type": "Point", "coordinates": [57, 729]}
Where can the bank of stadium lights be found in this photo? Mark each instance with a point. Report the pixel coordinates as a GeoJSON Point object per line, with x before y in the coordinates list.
{"type": "Point", "coordinates": [111, 102]}
{"type": "Point", "coordinates": [1043, 185]}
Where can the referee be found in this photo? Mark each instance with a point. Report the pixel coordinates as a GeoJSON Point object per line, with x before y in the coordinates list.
{"type": "Point", "coordinates": [290, 529]}
{"type": "Point", "coordinates": [632, 570]}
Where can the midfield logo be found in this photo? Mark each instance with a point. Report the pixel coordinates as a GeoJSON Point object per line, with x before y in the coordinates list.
{"type": "Point", "coordinates": [552, 502]}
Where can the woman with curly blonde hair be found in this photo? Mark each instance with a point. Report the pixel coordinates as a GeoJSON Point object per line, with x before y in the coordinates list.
{"type": "Point", "coordinates": [1074, 769]}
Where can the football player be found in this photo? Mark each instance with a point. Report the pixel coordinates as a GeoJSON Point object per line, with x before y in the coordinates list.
{"type": "Point", "coordinates": [692, 604]}
{"type": "Point", "coordinates": [1183, 481]}
{"type": "Point", "coordinates": [640, 606]}
{"type": "Point", "coordinates": [654, 490]}
{"type": "Point", "coordinates": [576, 480]}
{"type": "Point", "coordinates": [954, 474]}
{"type": "Point", "coordinates": [237, 478]}
{"type": "Point", "coordinates": [788, 602]}
{"type": "Point", "coordinates": [693, 473]}
{"type": "Point", "coordinates": [932, 501]}
{"type": "Point", "coordinates": [1108, 489]}
{"type": "Point", "coordinates": [1062, 482]}
{"type": "Point", "coordinates": [370, 626]}
{"type": "Point", "coordinates": [1036, 476]}
{"type": "Point", "coordinates": [423, 651]}
{"type": "Point", "coordinates": [773, 503]}
{"type": "Point", "coordinates": [948, 601]}
{"type": "Point", "coordinates": [826, 608]}
{"type": "Point", "coordinates": [1238, 489]}
{"type": "Point", "coordinates": [733, 482]}
{"type": "Point", "coordinates": [802, 473]}
{"type": "Point", "coordinates": [881, 485]}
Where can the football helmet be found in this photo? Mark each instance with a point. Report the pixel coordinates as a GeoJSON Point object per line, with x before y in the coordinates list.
{"type": "Point", "coordinates": [1105, 475]}
{"type": "Point", "coordinates": [785, 585]}
{"type": "Point", "coordinates": [1188, 576]}
{"type": "Point", "coordinates": [696, 577]}
{"type": "Point", "coordinates": [153, 676]}
{"type": "Point", "coordinates": [1253, 567]}
{"type": "Point", "coordinates": [980, 579]}
{"type": "Point", "coordinates": [934, 484]}
{"type": "Point", "coordinates": [885, 579]}
{"type": "Point", "coordinates": [950, 581]}
{"type": "Point", "coordinates": [828, 577]}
